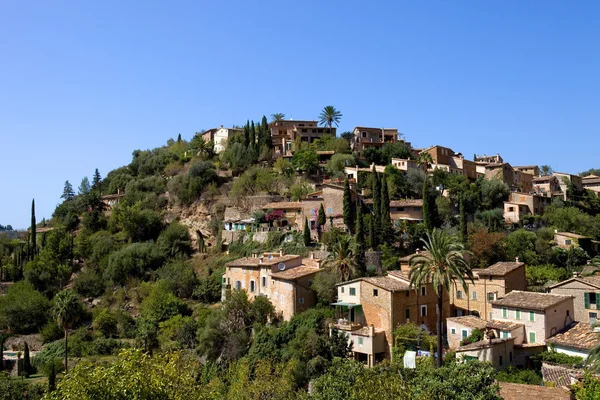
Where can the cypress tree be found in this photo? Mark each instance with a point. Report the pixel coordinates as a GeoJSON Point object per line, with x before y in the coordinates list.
{"type": "Point", "coordinates": [376, 192]}
{"type": "Point", "coordinates": [264, 131]}
{"type": "Point", "coordinates": [51, 376]}
{"type": "Point", "coordinates": [179, 138]}
{"type": "Point", "coordinates": [372, 236]}
{"type": "Point", "coordinates": [247, 134]}
{"type": "Point", "coordinates": [26, 361]}
{"type": "Point", "coordinates": [348, 213]}
{"type": "Point", "coordinates": [361, 264]}
{"type": "Point", "coordinates": [321, 219]}
{"type": "Point", "coordinates": [96, 179]}
{"type": "Point", "coordinates": [33, 231]}
{"type": "Point", "coordinates": [463, 221]}
{"type": "Point", "coordinates": [306, 233]}
{"type": "Point", "coordinates": [426, 207]}
{"type": "Point", "coordinates": [386, 223]}
{"type": "Point", "coordinates": [252, 134]}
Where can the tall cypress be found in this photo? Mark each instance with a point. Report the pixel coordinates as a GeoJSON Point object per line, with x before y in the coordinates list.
{"type": "Point", "coordinates": [247, 134]}
{"type": "Point", "coordinates": [463, 221]}
{"type": "Point", "coordinates": [361, 264]}
{"type": "Point", "coordinates": [252, 134]}
{"type": "Point", "coordinates": [426, 207]}
{"type": "Point", "coordinates": [372, 235]}
{"type": "Point", "coordinates": [376, 192]}
{"type": "Point", "coordinates": [348, 213]}
{"type": "Point", "coordinates": [386, 223]}
{"type": "Point", "coordinates": [264, 131]}
{"type": "Point", "coordinates": [26, 360]}
{"type": "Point", "coordinates": [33, 231]}
{"type": "Point", "coordinates": [306, 233]}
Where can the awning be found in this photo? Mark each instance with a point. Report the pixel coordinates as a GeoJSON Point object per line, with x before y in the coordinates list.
{"type": "Point", "coordinates": [341, 303]}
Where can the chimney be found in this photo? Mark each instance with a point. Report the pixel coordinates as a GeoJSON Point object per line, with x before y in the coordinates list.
{"type": "Point", "coordinates": [260, 260]}
{"type": "Point", "coordinates": [118, 190]}
{"type": "Point", "coordinates": [312, 255]}
{"type": "Point", "coordinates": [417, 251]}
{"type": "Point", "coordinates": [221, 126]}
{"type": "Point", "coordinates": [281, 253]}
{"type": "Point", "coordinates": [575, 274]}
{"type": "Point", "coordinates": [516, 259]}
{"type": "Point", "coordinates": [371, 330]}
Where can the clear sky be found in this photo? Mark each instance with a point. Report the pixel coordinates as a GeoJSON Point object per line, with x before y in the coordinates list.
{"type": "Point", "coordinates": [84, 83]}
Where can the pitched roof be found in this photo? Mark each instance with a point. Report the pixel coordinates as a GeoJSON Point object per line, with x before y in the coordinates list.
{"type": "Point", "coordinates": [295, 273]}
{"type": "Point", "coordinates": [255, 261]}
{"type": "Point", "coordinates": [470, 321]}
{"type": "Point", "coordinates": [400, 203]}
{"type": "Point", "coordinates": [571, 235]}
{"type": "Point", "coordinates": [543, 178]}
{"type": "Point", "coordinates": [579, 336]}
{"type": "Point", "coordinates": [482, 344]}
{"type": "Point", "coordinates": [500, 268]}
{"type": "Point", "coordinates": [387, 283]}
{"type": "Point", "coordinates": [113, 196]}
{"type": "Point", "coordinates": [420, 253]}
{"type": "Point", "coordinates": [399, 274]}
{"type": "Point", "coordinates": [592, 280]}
{"type": "Point", "coordinates": [503, 325]}
{"type": "Point", "coordinates": [519, 391]}
{"type": "Point", "coordinates": [530, 300]}
{"type": "Point", "coordinates": [282, 205]}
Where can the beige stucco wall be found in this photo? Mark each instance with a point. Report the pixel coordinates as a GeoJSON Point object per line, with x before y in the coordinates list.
{"type": "Point", "coordinates": [455, 338]}
{"type": "Point", "coordinates": [577, 289]}
{"type": "Point", "coordinates": [492, 354]}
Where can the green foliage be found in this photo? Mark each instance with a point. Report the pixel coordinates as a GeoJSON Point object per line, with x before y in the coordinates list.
{"type": "Point", "coordinates": [493, 193]}
{"type": "Point", "coordinates": [161, 304]}
{"type": "Point", "coordinates": [398, 187]}
{"type": "Point", "coordinates": [178, 332]}
{"type": "Point", "coordinates": [89, 283]}
{"type": "Point", "coordinates": [324, 285]}
{"type": "Point", "coordinates": [410, 336]}
{"type": "Point", "coordinates": [238, 157]}
{"type": "Point", "coordinates": [475, 336]}
{"type": "Point", "coordinates": [348, 209]}
{"type": "Point", "coordinates": [539, 276]}
{"type": "Point", "coordinates": [135, 260]}
{"type": "Point", "coordinates": [515, 375]}
{"type": "Point", "coordinates": [588, 389]}
{"type": "Point", "coordinates": [51, 332]}
{"type": "Point", "coordinates": [338, 162]}
{"type": "Point", "coordinates": [150, 162]}
{"type": "Point", "coordinates": [384, 155]}
{"type": "Point", "coordinates": [179, 277]}
{"type": "Point", "coordinates": [571, 219]}
{"type": "Point", "coordinates": [175, 241]}
{"type": "Point", "coordinates": [557, 358]}
{"type": "Point", "coordinates": [306, 233]}
{"type": "Point", "coordinates": [188, 187]}
{"type": "Point", "coordinates": [106, 324]}
{"type": "Point", "coordinates": [521, 243]}
{"type": "Point", "coordinates": [255, 179]}
{"type": "Point", "coordinates": [139, 223]}
{"type": "Point", "coordinates": [306, 161]}
{"type": "Point", "coordinates": [12, 389]}
{"type": "Point", "coordinates": [23, 309]}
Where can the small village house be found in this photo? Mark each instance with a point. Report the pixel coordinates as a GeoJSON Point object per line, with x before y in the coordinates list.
{"type": "Point", "coordinates": [586, 293]}
{"type": "Point", "coordinates": [365, 137]}
{"type": "Point", "coordinates": [578, 340]}
{"type": "Point", "coordinates": [460, 328]}
{"type": "Point", "coordinates": [285, 132]}
{"type": "Point", "coordinates": [520, 205]}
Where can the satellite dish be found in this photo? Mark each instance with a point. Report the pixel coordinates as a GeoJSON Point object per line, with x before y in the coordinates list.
{"type": "Point", "coordinates": [281, 266]}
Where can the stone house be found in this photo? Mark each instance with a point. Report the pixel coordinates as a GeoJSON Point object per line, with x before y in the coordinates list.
{"type": "Point", "coordinates": [586, 292]}
{"type": "Point", "coordinates": [564, 177]}
{"type": "Point", "coordinates": [332, 198]}
{"type": "Point", "coordinates": [500, 352]}
{"type": "Point", "coordinates": [284, 133]}
{"type": "Point", "coordinates": [522, 181]}
{"type": "Point", "coordinates": [546, 185]}
{"type": "Point", "coordinates": [577, 340]}
{"type": "Point", "coordinates": [403, 210]}
{"type": "Point", "coordinates": [291, 210]}
{"type": "Point", "coordinates": [521, 204]}
{"type": "Point", "coordinates": [110, 201]}
{"type": "Point", "coordinates": [365, 137]}
{"type": "Point", "coordinates": [284, 279]}
{"type": "Point", "coordinates": [540, 315]}
{"type": "Point", "coordinates": [489, 284]}
{"type": "Point", "coordinates": [591, 182]}
{"type": "Point", "coordinates": [440, 155]}
{"type": "Point", "coordinates": [381, 304]}
{"type": "Point", "coordinates": [485, 159]}
{"type": "Point", "coordinates": [219, 137]}
{"type": "Point", "coordinates": [459, 328]}
{"type": "Point", "coordinates": [405, 165]}
{"type": "Point", "coordinates": [568, 239]}
{"type": "Point", "coordinates": [503, 172]}
{"type": "Point", "coordinates": [529, 169]}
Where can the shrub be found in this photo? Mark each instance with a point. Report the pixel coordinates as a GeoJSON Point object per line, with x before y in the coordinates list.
{"type": "Point", "coordinates": [515, 375]}
{"type": "Point", "coordinates": [161, 304]}
{"type": "Point", "coordinates": [89, 283]}
{"type": "Point", "coordinates": [23, 309]}
{"type": "Point", "coordinates": [51, 332]}
{"type": "Point", "coordinates": [180, 278]}
{"type": "Point", "coordinates": [134, 260]}
{"type": "Point", "coordinates": [175, 241]}
{"type": "Point", "coordinates": [106, 324]}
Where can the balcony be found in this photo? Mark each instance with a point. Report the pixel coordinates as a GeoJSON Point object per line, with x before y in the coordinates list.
{"type": "Point", "coordinates": [346, 325]}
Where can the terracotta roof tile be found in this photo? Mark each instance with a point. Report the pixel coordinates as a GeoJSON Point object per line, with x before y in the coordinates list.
{"type": "Point", "coordinates": [499, 269]}
{"type": "Point", "coordinates": [255, 261]}
{"type": "Point", "coordinates": [470, 321]}
{"type": "Point", "coordinates": [571, 235]}
{"type": "Point", "coordinates": [579, 336]}
{"type": "Point", "coordinates": [482, 344]}
{"type": "Point", "coordinates": [503, 325]}
{"type": "Point", "coordinates": [387, 283]}
{"type": "Point", "coordinates": [283, 205]}
{"type": "Point", "coordinates": [295, 273]}
{"type": "Point", "coordinates": [518, 391]}
{"type": "Point", "coordinates": [530, 300]}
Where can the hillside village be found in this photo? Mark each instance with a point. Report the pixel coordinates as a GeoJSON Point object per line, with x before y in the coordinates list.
{"type": "Point", "coordinates": [287, 241]}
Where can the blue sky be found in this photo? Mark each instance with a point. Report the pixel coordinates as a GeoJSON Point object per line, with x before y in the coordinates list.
{"type": "Point", "coordinates": [84, 83]}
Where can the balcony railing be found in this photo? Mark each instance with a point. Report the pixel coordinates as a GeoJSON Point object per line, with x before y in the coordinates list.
{"type": "Point", "coordinates": [345, 325]}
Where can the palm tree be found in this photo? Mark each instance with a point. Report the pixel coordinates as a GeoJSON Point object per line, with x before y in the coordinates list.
{"type": "Point", "coordinates": [341, 258]}
{"type": "Point", "coordinates": [546, 170]}
{"type": "Point", "coordinates": [278, 117]}
{"type": "Point", "coordinates": [593, 360]}
{"type": "Point", "coordinates": [592, 267]}
{"type": "Point", "coordinates": [66, 310]}
{"type": "Point", "coordinates": [330, 116]}
{"type": "Point", "coordinates": [442, 265]}
{"type": "Point", "coordinates": [425, 160]}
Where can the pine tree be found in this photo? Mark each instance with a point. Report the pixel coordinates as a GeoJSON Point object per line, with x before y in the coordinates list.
{"type": "Point", "coordinates": [33, 230]}
{"type": "Point", "coordinates": [385, 221]}
{"type": "Point", "coordinates": [247, 134]}
{"type": "Point", "coordinates": [463, 221]}
{"type": "Point", "coordinates": [376, 192]}
{"type": "Point", "coordinates": [306, 233]}
{"type": "Point", "coordinates": [179, 138]}
{"type": "Point", "coordinates": [361, 264]}
{"type": "Point", "coordinates": [348, 213]}
{"type": "Point", "coordinates": [68, 193]}
{"type": "Point", "coordinates": [96, 180]}
{"type": "Point", "coordinates": [427, 221]}
{"type": "Point", "coordinates": [84, 187]}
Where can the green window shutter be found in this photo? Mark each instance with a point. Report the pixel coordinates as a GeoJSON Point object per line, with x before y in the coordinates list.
{"type": "Point", "coordinates": [597, 301]}
{"type": "Point", "coordinates": [531, 316]}
{"type": "Point", "coordinates": [518, 314]}
{"type": "Point", "coordinates": [504, 313]}
{"type": "Point", "coordinates": [586, 299]}
{"type": "Point", "coordinates": [531, 337]}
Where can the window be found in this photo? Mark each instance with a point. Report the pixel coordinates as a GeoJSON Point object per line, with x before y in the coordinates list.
{"type": "Point", "coordinates": [301, 300]}
{"type": "Point", "coordinates": [224, 280]}
{"type": "Point", "coordinates": [505, 335]}
{"type": "Point", "coordinates": [281, 298]}
{"type": "Point", "coordinates": [342, 289]}
{"type": "Point", "coordinates": [510, 356]}
{"type": "Point", "coordinates": [288, 286]}
{"type": "Point", "coordinates": [360, 341]}
{"type": "Point", "coordinates": [593, 316]}
{"type": "Point", "coordinates": [567, 313]}
{"type": "Point", "coordinates": [423, 311]}
{"type": "Point", "coordinates": [423, 291]}
{"type": "Point", "coordinates": [453, 331]}
{"type": "Point", "coordinates": [407, 313]}
{"type": "Point", "coordinates": [244, 270]}
{"type": "Point", "coordinates": [375, 292]}
{"type": "Point", "coordinates": [465, 333]}
{"type": "Point", "coordinates": [504, 313]}
{"type": "Point", "coordinates": [264, 281]}
{"type": "Point", "coordinates": [310, 282]}
{"type": "Point", "coordinates": [531, 337]}
{"type": "Point", "coordinates": [459, 294]}
{"type": "Point", "coordinates": [352, 291]}
{"type": "Point", "coordinates": [491, 296]}
{"type": "Point", "coordinates": [500, 360]}
{"type": "Point", "coordinates": [329, 210]}
{"type": "Point", "coordinates": [252, 286]}
{"type": "Point", "coordinates": [568, 242]}
{"type": "Point", "coordinates": [238, 285]}
{"type": "Point", "coordinates": [518, 314]}
{"type": "Point", "coordinates": [474, 295]}
{"type": "Point", "coordinates": [531, 316]}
